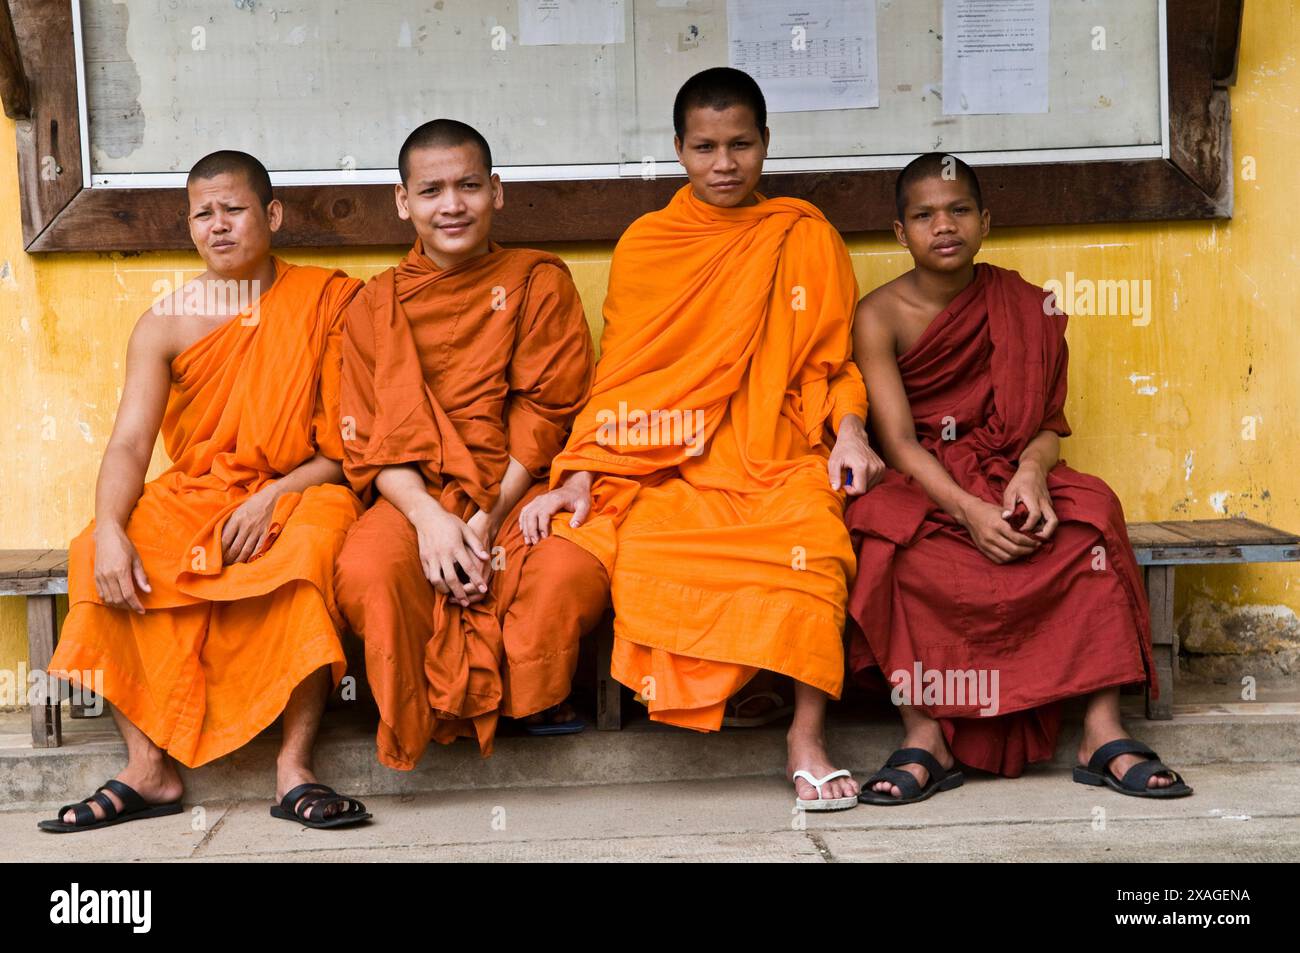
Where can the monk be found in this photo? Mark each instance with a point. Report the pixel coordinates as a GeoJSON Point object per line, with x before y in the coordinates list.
{"type": "Point", "coordinates": [463, 368]}
{"type": "Point", "coordinates": [707, 472]}
{"type": "Point", "coordinates": [994, 581]}
{"type": "Point", "coordinates": [206, 597]}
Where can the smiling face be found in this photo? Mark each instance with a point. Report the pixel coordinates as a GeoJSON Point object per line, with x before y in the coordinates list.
{"type": "Point", "coordinates": [723, 152]}
{"type": "Point", "coordinates": [230, 226]}
{"type": "Point", "coordinates": [942, 225]}
{"type": "Point", "coordinates": [450, 198]}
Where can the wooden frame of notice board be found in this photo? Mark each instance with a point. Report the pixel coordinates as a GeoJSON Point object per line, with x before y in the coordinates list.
{"type": "Point", "coordinates": [39, 83]}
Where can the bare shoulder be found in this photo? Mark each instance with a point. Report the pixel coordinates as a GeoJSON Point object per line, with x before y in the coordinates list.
{"type": "Point", "coordinates": [156, 331]}
{"type": "Point", "coordinates": [878, 310]}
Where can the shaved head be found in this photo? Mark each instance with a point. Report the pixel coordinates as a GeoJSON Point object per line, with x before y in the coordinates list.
{"type": "Point", "coordinates": [718, 88]}
{"type": "Point", "coordinates": [230, 162]}
{"type": "Point", "coordinates": [442, 134]}
{"type": "Point", "coordinates": [937, 165]}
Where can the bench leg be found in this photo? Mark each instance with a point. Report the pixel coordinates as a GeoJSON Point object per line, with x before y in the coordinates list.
{"type": "Point", "coordinates": [1164, 648]}
{"type": "Point", "coordinates": [609, 697]}
{"type": "Point", "coordinates": [47, 731]}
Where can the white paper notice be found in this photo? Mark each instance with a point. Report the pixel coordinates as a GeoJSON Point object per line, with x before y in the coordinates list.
{"type": "Point", "coordinates": [994, 56]}
{"type": "Point", "coordinates": [807, 54]}
{"type": "Point", "coordinates": [570, 22]}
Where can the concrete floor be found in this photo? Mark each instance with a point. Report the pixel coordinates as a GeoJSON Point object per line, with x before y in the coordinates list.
{"type": "Point", "coordinates": [1241, 812]}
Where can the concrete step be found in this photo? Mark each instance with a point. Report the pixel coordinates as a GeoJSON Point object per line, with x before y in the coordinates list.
{"type": "Point", "coordinates": [1245, 813]}
{"type": "Point", "coordinates": [1210, 726]}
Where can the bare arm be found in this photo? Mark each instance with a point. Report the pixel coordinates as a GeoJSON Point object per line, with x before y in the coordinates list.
{"type": "Point", "coordinates": [247, 527]}
{"type": "Point", "coordinates": [891, 417]}
{"type": "Point", "coordinates": [118, 570]}
{"type": "Point", "coordinates": [445, 541]}
{"type": "Point", "coordinates": [1028, 487]}
{"type": "Point", "coordinates": [514, 485]}
{"type": "Point", "coordinates": [404, 487]}
{"type": "Point", "coordinates": [1044, 451]}
{"type": "Point", "coordinates": [573, 495]}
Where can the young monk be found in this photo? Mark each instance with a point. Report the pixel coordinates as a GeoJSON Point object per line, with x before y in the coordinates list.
{"type": "Point", "coordinates": [205, 597]}
{"type": "Point", "coordinates": [462, 370]}
{"type": "Point", "coordinates": [706, 469]}
{"type": "Point", "coordinates": [980, 551]}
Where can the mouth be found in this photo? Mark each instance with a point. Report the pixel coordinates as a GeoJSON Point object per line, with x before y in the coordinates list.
{"type": "Point", "coordinates": [454, 229]}
{"type": "Point", "coordinates": [946, 248]}
{"type": "Point", "coordinates": [725, 185]}
{"type": "Point", "coordinates": [221, 246]}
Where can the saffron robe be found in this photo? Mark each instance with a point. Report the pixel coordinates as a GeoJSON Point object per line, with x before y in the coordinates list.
{"type": "Point", "coordinates": [219, 648]}
{"type": "Point", "coordinates": [1067, 620]}
{"type": "Point", "coordinates": [724, 541]}
{"type": "Point", "coordinates": [456, 371]}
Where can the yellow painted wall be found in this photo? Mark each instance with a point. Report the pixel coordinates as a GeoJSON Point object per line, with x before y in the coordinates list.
{"type": "Point", "coordinates": [1157, 410]}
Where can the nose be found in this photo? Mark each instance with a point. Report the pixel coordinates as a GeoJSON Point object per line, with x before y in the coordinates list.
{"type": "Point", "coordinates": [943, 222]}
{"type": "Point", "coordinates": [724, 160]}
{"type": "Point", "coordinates": [453, 203]}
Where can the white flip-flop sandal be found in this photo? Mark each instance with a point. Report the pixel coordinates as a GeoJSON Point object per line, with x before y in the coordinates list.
{"type": "Point", "coordinates": [820, 803]}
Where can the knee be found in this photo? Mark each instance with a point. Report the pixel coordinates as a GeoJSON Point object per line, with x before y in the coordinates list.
{"type": "Point", "coordinates": [564, 571]}
{"type": "Point", "coordinates": [371, 563]}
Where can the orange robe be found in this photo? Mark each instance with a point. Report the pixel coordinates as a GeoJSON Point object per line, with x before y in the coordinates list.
{"type": "Point", "coordinates": [456, 371]}
{"type": "Point", "coordinates": [219, 649]}
{"type": "Point", "coordinates": [724, 542]}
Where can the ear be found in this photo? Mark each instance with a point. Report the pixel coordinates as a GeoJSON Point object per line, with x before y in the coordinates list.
{"type": "Point", "coordinates": [677, 147]}
{"type": "Point", "coordinates": [399, 196]}
{"type": "Point", "coordinates": [985, 221]}
{"type": "Point", "coordinates": [767, 137]}
{"type": "Point", "coordinates": [900, 233]}
{"type": "Point", "coordinates": [498, 193]}
{"type": "Point", "coordinates": [274, 215]}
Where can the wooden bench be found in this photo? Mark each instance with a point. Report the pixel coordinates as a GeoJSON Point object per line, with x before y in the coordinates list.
{"type": "Point", "coordinates": [1163, 547]}
{"type": "Point", "coordinates": [42, 574]}
{"type": "Point", "coordinates": [1160, 549]}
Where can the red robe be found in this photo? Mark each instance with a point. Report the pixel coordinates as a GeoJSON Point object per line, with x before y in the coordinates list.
{"type": "Point", "coordinates": [1067, 620]}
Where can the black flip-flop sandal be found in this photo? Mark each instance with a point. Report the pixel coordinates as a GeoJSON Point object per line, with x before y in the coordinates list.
{"type": "Point", "coordinates": [295, 805]}
{"type": "Point", "coordinates": [1134, 782]}
{"type": "Point", "coordinates": [940, 780]}
{"type": "Point", "coordinates": [134, 808]}
{"type": "Point", "coordinates": [546, 727]}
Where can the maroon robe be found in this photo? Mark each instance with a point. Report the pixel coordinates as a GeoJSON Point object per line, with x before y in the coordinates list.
{"type": "Point", "coordinates": [1061, 622]}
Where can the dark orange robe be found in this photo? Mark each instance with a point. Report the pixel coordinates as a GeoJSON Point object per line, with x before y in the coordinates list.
{"type": "Point", "coordinates": [220, 648]}
{"type": "Point", "coordinates": [456, 371]}
{"type": "Point", "coordinates": [726, 354]}
{"type": "Point", "coordinates": [984, 378]}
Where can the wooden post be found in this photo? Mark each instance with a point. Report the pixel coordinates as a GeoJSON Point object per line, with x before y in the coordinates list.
{"type": "Point", "coordinates": [47, 732]}
{"type": "Point", "coordinates": [609, 715]}
{"type": "Point", "coordinates": [14, 89]}
{"type": "Point", "coordinates": [1160, 593]}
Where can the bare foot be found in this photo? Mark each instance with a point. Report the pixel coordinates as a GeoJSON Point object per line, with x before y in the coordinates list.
{"type": "Point", "coordinates": [560, 714]}
{"type": "Point", "coordinates": [288, 775]}
{"type": "Point", "coordinates": [808, 753]}
{"type": "Point", "coordinates": [155, 780]}
{"type": "Point", "coordinates": [1118, 766]}
{"type": "Point", "coordinates": [923, 734]}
